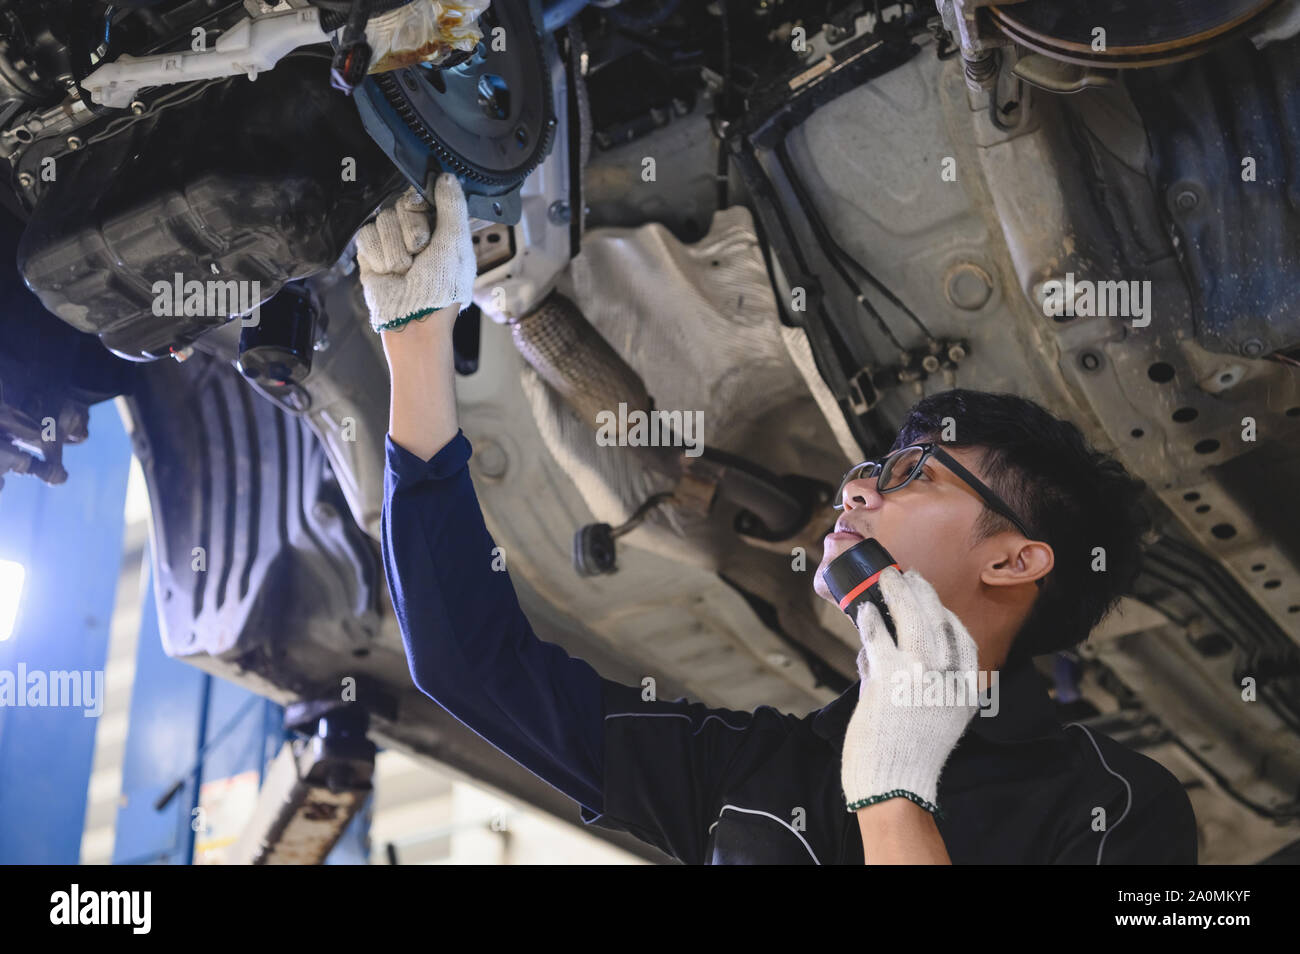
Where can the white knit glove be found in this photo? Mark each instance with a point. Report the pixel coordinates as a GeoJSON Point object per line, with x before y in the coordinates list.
{"type": "Point", "coordinates": [405, 272]}
{"type": "Point", "coordinates": [896, 744]}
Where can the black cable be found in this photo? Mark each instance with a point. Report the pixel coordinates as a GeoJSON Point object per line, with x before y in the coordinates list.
{"type": "Point", "coordinates": [108, 27]}
{"type": "Point", "coordinates": [884, 290]}
{"type": "Point", "coordinates": [726, 58]}
{"type": "Point", "coordinates": [944, 46]}
{"type": "Point", "coordinates": [639, 515]}
{"type": "Point", "coordinates": [722, 106]}
{"type": "Point", "coordinates": [829, 245]}
{"type": "Point", "coordinates": [844, 253]}
{"type": "Point", "coordinates": [354, 29]}
{"type": "Point", "coordinates": [830, 351]}
{"type": "Point", "coordinates": [996, 111]}
{"type": "Point", "coordinates": [759, 184]}
{"type": "Point", "coordinates": [720, 173]}
{"type": "Point", "coordinates": [334, 13]}
{"type": "Point", "coordinates": [79, 60]}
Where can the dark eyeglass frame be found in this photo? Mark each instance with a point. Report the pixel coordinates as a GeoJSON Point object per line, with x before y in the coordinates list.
{"type": "Point", "coordinates": [874, 468]}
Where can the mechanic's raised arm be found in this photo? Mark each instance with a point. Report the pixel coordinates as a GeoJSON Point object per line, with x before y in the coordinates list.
{"type": "Point", "coordinates": [468, 643]}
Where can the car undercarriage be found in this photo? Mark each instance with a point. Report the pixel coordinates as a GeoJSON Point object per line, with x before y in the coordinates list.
{"type": "Point", "coordinates": [790, 218]}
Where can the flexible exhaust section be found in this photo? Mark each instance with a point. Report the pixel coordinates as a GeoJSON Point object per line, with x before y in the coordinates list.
{"type": "Point", "coordinates": [574, 359]}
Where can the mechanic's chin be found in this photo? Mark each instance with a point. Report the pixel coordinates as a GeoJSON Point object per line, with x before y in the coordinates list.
{"type": "Point", "coordinates": [833, 546]}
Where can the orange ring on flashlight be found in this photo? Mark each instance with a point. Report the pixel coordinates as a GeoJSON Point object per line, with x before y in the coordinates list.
{"type": "Point", "coordinates": [865, 584]}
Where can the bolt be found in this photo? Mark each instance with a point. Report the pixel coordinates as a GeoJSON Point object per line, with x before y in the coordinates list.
{"type": "Point", "coordinates": [1090, 361]}
{"type": "Point", "coordinates": [956, 353]}
{"type": "Point", "coordinates": [25, 180]}
{"type": "Point", "coordinates": [558, 212]}
{"type": "Point", "coordinates": [1186, 200]}
{"type": "Point", "coordinates": [930, 363]}
{"type": "Point", "coordinates": [75, 143]}
{"type": "Point", "coordinates": [1252, 347]}
{"type": "Point", "coordinates": [138, 107]}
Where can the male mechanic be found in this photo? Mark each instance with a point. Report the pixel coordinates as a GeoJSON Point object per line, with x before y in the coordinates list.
{"type": "Point", "coordinates": [995, 533]}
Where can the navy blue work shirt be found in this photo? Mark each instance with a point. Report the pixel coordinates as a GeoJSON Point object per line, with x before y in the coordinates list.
{"type": "Point", "coordinates": [723, 786]}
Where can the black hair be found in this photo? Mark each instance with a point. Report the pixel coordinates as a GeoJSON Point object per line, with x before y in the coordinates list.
{"type": "Point", "coordinates": [1073, 497]}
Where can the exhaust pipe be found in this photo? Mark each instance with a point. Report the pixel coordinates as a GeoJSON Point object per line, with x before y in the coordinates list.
{"type": "Point", "coordinates": [557, 340]}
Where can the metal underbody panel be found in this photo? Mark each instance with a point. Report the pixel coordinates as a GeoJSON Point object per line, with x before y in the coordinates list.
{"type": "Point", "coordinates": [666, 607]}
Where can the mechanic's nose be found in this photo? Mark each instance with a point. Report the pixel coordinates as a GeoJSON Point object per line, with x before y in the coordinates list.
{"type": "Point", "coordinates": [861, 493]}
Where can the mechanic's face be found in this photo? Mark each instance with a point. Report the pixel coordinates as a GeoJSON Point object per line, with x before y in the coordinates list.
{"type": "Point", "coordinates": [927, 526]}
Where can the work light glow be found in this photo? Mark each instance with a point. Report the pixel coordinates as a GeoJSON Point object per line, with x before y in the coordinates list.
{"type": "Point", "coordinates": [11, 590]}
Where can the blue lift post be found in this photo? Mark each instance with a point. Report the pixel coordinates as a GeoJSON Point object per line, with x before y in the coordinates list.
{"type": "Point", "coordinates": [168, 703]}
{"type": "Point", "coordinates": [185, 727]}
{"type": "Point", "coordinates": [188, 727]}
{"type": "Point", "coordinates": [69, 540]}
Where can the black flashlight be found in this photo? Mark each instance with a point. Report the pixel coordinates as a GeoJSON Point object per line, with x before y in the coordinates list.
{"type": "Point", "coordinates": [853, 579]}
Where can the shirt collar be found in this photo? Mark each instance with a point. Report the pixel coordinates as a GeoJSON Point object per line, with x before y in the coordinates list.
{"type": "Point", "coordinates": [1024, 710]}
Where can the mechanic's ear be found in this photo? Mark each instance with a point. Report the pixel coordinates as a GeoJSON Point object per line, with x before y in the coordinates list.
{"type": "Point", "coordinates": [1021, 561]}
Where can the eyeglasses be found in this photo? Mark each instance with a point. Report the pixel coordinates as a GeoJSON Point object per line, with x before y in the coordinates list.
{"type": "Point", "coordinates": [895, 471]}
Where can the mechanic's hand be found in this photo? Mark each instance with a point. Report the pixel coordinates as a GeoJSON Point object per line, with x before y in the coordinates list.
{"type": "Point", "coordinates": [406, 273]}
{"type": "Point", "coordinates": [896, 745]}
